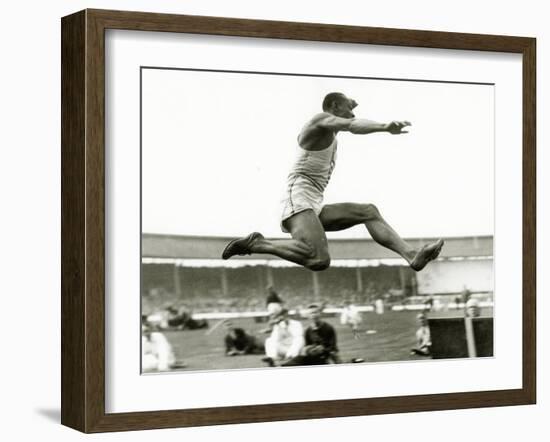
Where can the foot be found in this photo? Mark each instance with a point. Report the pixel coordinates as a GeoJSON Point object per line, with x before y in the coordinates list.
{"type": "Point", "coordinates": [420, 352]}
{"type": "Point", "coordinates": [178, 364]}
{"type": "Point", "coordinates": [269, 361]}
{"type": "Point", "coordinates": [241, 246]}
{"type": "Point", "coordinates": [426, 254]}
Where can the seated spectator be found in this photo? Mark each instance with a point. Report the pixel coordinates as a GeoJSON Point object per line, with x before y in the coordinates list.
{"type": "Point", "coordinates": [156, 352]}
{"type": "Point", "coordinates": [320, 342]}
{"type": "Point", "coordinates": [239, 342]}
{"type": "Point", "coordinates": [286, 340]}
{"type": "Point", "coordinates": [423, 337]}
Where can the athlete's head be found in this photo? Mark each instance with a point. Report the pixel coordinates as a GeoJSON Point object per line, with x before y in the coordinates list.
{"type": "Point", "coordinates": [338, 104]}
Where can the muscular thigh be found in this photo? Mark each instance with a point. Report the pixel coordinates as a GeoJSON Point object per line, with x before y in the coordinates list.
{"type": "Point", "coordinates": [341, 216]}
{"type": "Point", "coordinates": [305, 226]}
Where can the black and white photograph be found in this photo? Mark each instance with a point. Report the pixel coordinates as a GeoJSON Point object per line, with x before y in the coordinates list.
{"type": "Point", "coordinates": [275, 221]}
{"type": "Point", "coordinates": [307, 219]}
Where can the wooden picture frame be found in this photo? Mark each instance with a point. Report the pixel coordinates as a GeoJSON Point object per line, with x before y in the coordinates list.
{"type": "Point", "coordinates": [83, 220]}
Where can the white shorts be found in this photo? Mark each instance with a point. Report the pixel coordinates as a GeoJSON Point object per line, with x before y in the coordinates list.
{"type": "Point", "coordinates": [301, 195]}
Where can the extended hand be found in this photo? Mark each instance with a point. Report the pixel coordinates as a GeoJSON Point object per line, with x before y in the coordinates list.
{"type": "Point", "coordinates": [396, 127]}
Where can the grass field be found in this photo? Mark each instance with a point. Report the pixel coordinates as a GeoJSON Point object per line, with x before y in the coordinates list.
{"type": "Point", "coordinates": [394, 337]}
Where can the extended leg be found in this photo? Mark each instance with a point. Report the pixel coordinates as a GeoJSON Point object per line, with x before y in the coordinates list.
{"type": "Point", "coordinates": [308, 246]}
{"type": "Point", "coordinates": [345, 215]}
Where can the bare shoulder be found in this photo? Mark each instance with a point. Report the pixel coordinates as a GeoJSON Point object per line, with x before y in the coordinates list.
{"type": "Point", "coordinates": [315, 135]}
{"type": "Point", "coordinates": [328, 121]}
{"type": "Point", "coordinates": [320, 117]}
{"type": "Point", "coordinates": [317, 123]}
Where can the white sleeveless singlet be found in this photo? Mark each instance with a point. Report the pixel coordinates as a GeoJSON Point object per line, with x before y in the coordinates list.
{"type": "Point", "coordinates": [307, 180]}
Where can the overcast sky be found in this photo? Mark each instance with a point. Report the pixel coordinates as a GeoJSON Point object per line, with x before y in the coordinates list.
{"type": "Point", "coordinates": [217, 148]}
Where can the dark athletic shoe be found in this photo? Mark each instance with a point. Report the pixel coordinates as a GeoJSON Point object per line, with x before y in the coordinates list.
{"type": "Point", "coordinates": [241, 246]}
{"type": "Point", "coordinates": [269, 361]}
{"type": "Point", "coordinates": [426, 254]}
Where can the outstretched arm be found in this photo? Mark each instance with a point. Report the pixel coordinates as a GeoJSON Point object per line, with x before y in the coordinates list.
{"type": "Point", "coordinates": [359, 125]}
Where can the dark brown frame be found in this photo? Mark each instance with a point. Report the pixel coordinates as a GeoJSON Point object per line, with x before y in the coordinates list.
{"type": "Point", "coordinates": [83, 216]}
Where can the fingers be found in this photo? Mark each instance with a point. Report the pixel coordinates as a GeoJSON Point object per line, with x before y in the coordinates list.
{"type": "Point", "coordinates": [401, 123]}
{"type": "Point", "coordinates": [397, 126]}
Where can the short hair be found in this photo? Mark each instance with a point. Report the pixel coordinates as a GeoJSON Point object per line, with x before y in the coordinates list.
{"type": "Point", "coordinates": [331, 98]}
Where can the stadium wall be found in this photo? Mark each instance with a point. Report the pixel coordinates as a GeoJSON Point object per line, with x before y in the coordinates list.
{"type": "Point", "coordinates": [244, 287]}
{"type": "Point", "coordinates": [452, 276]}
{"type": "Point", "coordinates": [188, 269]}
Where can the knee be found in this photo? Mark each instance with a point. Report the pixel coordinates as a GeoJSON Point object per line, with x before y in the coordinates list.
{"type": "Point", "coordinates": [319, 263]}
{"type": "Point", "coordinates": [369, 211]}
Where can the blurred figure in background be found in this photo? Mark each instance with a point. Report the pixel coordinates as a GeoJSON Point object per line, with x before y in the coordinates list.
{"type": "Point", "coordinates": [379, 306]}
{"type": "Point", "coordinates": [466, 295]}
{"type": "Point", "coordinates": [428, 304]}
{"type": "Point", "coordinates": [239, 342]}
{"type": "Point", "coordinates": [273, 302]}
{"type": "Point", "coordinates": [156, 352]}
{"type": "Point", "coordinates": [472, 308]}
{"type": "Point", "coordinates": [352, 317]}
{"type": "Point", "coordinates": [158, 319]}
{"type": "Point", "coordinates": [458, 301]}
{"type": "Point", "coordinates": [286, 340]}
{"type": "Point", "coordinates": [320, 342]}
{"type": "Point", "coordinates": [423, 337]}
{"type": "Point", "coordinates": [181, 318]}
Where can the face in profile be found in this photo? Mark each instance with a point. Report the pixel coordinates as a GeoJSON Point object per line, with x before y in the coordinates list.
{"type": "Point", "coordinates": [344, 108]}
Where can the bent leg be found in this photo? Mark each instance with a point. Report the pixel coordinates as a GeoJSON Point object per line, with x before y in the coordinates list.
{"type": "Point", "coordinates": [308, 246]}
{"type": "Point", "coordinates": [345, 215]}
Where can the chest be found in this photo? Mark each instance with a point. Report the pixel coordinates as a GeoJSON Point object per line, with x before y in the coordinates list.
{"type": "Point", "coordinates": [317, 141]}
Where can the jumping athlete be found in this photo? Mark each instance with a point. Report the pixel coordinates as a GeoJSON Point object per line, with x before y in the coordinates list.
{"type": "Point", "coordinates": [304, 216]}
